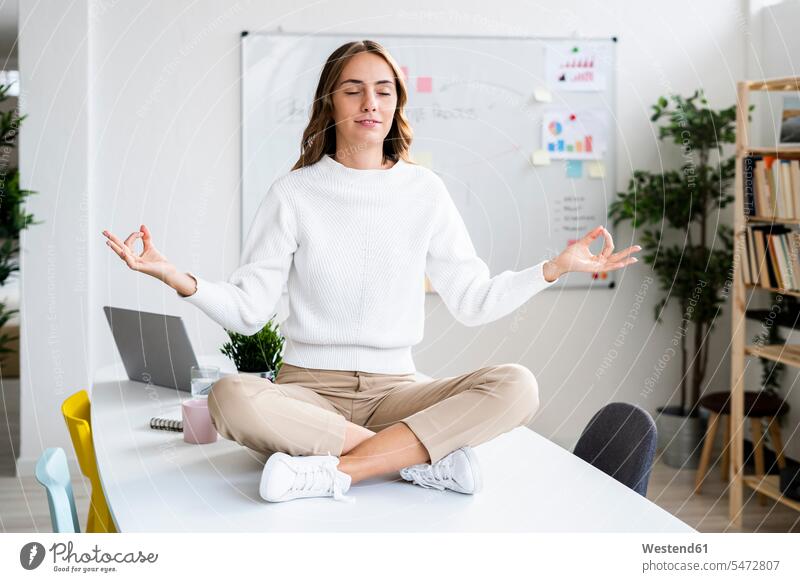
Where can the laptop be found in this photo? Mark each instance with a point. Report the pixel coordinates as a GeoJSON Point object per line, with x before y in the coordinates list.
{"type": "Point", "coordinates": [154, 347]}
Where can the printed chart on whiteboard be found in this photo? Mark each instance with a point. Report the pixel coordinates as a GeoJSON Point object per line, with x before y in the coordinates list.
{"type": "Point", "coordinates": [576, 66]}
{"type": "Point", "coordinates": [579, 134]}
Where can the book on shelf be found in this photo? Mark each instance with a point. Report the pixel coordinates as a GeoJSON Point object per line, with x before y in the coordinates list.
{"type": "Point", "coordinates": [782, 270]}
{"type": "Point", "coordinates": [751, 261]}
{"type": "Point", "coordinates": [771, 187]}
{"type": "Point", "coordinates": [771, 256]}
{"type": "Point", "coordinates": [748, 165]}
{"type": "Point", "coordinates": [744, 262]}
{"type": "Point", "coordinates": [793, 240]}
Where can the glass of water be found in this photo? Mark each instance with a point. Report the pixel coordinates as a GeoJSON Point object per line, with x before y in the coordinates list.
{"type": "Point", "coordinates": [203, 378]}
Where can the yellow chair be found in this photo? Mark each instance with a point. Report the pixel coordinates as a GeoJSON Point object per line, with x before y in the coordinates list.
{"type": "Point", "coordinates": [77, 414]}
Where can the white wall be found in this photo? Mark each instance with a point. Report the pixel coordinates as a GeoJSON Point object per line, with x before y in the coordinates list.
{"type": "Point", "coordinates": [55, 268]}
{"type": "Point", "coordinates": [165, 151]}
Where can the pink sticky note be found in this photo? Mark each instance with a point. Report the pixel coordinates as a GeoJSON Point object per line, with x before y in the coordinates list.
{"type": "Point", "coordinates": [424, 84]}
{"type": "Point", "coordinates": [405, 72]}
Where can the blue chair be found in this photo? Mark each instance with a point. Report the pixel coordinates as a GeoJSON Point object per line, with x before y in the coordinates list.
{"type": "Point", "coordinates": [52, 472]}
{"type": "Point", "coordinates": [620, 440]}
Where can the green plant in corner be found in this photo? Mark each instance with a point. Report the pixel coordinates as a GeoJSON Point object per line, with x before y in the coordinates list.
{"type": "Point", "coordinates": [771, 371]}
{"type": "Point", "coordinates": [260, 352]}
{"type": "Point", "coordinates": [695, 272]}
{"type": "Point", "coordinates": [13, 218]}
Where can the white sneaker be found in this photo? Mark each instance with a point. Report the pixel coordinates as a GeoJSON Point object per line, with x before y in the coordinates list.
{"type": "Point", "coordinates": [458, 471]}
{"type": "Point", "coordinates": [286, 477]}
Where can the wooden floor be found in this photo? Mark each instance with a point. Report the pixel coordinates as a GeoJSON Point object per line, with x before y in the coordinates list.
{"type": "Point", "coordinates": [23, 504]}
{"type": "Point", "coordinates": [9, 425]}
{"type": "Point", "coordinates": [672, 489]}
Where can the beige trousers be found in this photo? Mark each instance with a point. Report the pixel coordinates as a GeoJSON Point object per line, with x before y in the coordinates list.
{"type": "Point", "coordinates": [304, 412]}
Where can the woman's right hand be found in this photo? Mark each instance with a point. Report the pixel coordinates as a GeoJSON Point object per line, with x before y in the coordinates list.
{"type": "Point", "coordinates": [150, 262]}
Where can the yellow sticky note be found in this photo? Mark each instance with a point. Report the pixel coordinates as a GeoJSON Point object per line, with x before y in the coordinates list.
{"type": "Point", "coordinates": [423, 159]}
{"type": "Point", "coordinates": [540, 158]}
{"type": "Point", "coordinates": [597, 169]}
{"type": "Point", "coordinates": [542, 95]}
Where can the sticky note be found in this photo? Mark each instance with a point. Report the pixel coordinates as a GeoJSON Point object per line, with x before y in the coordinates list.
{"type": "Point", "coordinates": [404, 70]}
{"type": "Point", "coordinates": [540, 158]}
{"type": "Point", "coordinates": [542, 95]}
{"type": "Point", "coordinates": [423, 159]}
{"type": "Point", "coordinates": [596, 169]}
{"type": "Point", "coordinates": [424, 84]}
{"type": "Point", "coordinates": [574, 169]}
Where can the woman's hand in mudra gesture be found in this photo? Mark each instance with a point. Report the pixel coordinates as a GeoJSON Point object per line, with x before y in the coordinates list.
{"type": "Point", "coordinates": [150, 262]}
{"type": "Point", "coordinates": [577, 257]}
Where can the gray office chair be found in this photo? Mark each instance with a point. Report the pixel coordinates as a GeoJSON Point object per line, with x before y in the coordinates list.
{"type": "Point", "coordinates": [620, 440]}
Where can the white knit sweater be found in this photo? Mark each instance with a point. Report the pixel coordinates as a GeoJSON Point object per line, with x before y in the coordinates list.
{"type": "Point", "coordinates": [352, 248]}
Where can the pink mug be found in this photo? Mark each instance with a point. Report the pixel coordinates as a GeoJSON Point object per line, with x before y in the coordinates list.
{"type": "Point", "coordinates": [197, 426]}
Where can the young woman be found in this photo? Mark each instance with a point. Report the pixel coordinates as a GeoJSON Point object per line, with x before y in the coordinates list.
{"type": "Point", "coordinates": [352, 230]}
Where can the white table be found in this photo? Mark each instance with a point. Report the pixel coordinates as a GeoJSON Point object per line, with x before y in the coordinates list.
{"type": "Point", "coordinates": [154, 482]}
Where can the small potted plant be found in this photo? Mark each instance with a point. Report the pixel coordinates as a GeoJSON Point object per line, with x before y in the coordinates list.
{"type": "Point", "coordinates": [259, 354]}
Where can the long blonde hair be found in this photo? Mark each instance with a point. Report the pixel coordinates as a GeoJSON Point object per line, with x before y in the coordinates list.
{"type": "Point", "coordinates": [319, 137]}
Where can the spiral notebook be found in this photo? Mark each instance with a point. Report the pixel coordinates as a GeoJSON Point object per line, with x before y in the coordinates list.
{"type": "Point", "coordinates": [171, 424]}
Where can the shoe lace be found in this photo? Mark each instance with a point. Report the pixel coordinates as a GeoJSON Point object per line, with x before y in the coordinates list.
{"type": "Point", "coordinates": [322, 478]}
{"type": "Point", "coordinates": [443, 470]}
{"type": "Point", "coordinates": [433, 476]}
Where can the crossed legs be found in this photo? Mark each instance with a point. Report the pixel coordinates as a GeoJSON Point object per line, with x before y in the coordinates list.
{"type": "Point", "coordinates": [380, 453]}
{"type": "Point", "coordinates": [415, 422]}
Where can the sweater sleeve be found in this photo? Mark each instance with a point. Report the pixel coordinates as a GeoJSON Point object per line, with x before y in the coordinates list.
{"type": "Point", "coordinates": [462, 278]}
{"type": "Point", "coordinates": [247, 300]}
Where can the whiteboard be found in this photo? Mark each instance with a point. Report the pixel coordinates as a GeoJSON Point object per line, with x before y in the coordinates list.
{"type": "Point", "coordinates": [482, 108]}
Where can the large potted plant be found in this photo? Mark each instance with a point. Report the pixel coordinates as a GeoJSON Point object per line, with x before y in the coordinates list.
{"type": "Point", "coordinates": [13, 220]}
{"type": "Point", "coordinates": [259, 354]}
{"type": "Point", "coordinates": [694, 271]}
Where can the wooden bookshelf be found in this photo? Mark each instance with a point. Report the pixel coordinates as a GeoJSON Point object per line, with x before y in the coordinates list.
{"type": "Point", "coordinates": [786, 152]}
{"type": "Point", "coordinates": [792, 292]}
{"type": "Point", "coordinates": [773, 220]}
{"type": "Point", "coordinates": [788, 354]}
{"type": "Point", "coordinates": [768, 485]}
{"type": "Point", "coordinates": [781, 84]}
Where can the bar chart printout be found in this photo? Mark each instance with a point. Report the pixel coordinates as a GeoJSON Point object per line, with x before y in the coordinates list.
{"type": "Point", "coordinates": [574, 135]}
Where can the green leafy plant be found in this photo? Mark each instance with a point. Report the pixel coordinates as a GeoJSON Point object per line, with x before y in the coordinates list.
{"type": "Point", "coordinates": [695, 272]}
{"type": "Point", "coordinates": [13, 218]}
{"type": "Point", "coordinates": [260, 352]}
{"type": "Point", "coordinates": [771, 371]}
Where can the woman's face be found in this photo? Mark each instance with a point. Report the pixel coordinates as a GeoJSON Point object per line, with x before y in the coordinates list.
{"type": "Point", "coordinates": [365, 90]}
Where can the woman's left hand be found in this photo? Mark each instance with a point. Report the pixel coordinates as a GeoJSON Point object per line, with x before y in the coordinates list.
{"type": "Point", "coordinates": [578, 257]}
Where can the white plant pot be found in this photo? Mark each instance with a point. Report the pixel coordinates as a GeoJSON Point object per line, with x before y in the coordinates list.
{"type": "Point", "coordinates": [269, 374]}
